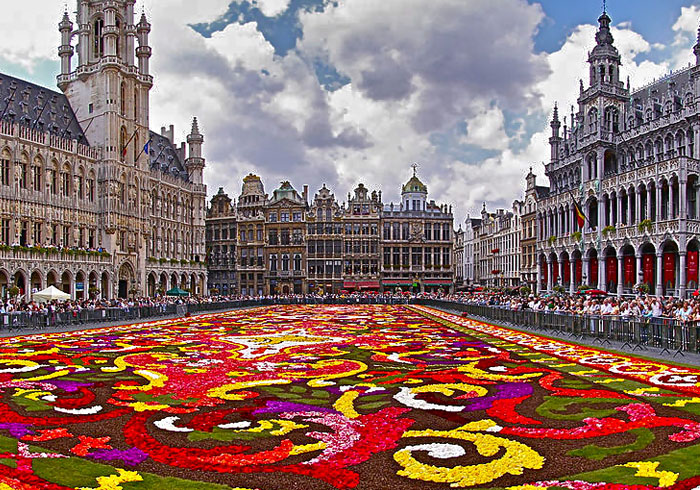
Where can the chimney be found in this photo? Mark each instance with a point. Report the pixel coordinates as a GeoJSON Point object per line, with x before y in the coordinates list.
{"type": "Point", "coordinates": [162, 131]}
{"type": "Point", "coordinates": [305, 195]}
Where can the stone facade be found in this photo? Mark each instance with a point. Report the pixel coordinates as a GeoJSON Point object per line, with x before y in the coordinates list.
{"type": "Point", "coordinates": [81, 172]}
{"type": "Point", "coordinates": [221, 249]}
{"type": "Point", "coordinates": [361, 244]}
{"type": "Point", "coordinates": [417, 242]}
{"type": "Point", "coordinates": [250, 222]}
{"type": "Point", "coordinates": [284, 245]}
{"type": "Point", "coordinates": [459, 258]}
{"type": "Point", "coordinates": [471, 250]}
{"type": "Point", "coordinates": [631, 159]}
{"type": "Point", "coordinates": [285, 249]}
{"type": "Point", "coordinates": [324, 243]}
{"type": "Point", "coordinates": [528, 235]}
{"type": "Point", "coordinates": [496, 247]}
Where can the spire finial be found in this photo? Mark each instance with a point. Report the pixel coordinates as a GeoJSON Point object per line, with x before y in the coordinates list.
{"type": "Point", "coordinates": [605, 6]}
{"type": "Point", "coordinates": [415, 168]}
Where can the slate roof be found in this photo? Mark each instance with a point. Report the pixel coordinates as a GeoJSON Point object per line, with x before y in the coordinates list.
{"type": "Point", "coordinates": [34, 106]}
{"type": "Point", "coordinates": [678, 82]}
{"type": "Point", "coordinates": [541, 191]}
{"type": "Point", "coordinates": [165, 156]}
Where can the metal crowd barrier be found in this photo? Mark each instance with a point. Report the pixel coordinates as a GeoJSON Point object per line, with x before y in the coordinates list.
{"type": "Point", "coordinates": [19, 321]}
{"type": "Point", "coordinates": [670, 335]}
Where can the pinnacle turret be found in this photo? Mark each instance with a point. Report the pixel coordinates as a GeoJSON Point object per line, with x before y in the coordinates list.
{"type": "Point", "coordinates": [696, 49]}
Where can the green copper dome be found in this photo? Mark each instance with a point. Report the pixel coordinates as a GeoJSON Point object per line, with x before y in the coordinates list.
{"type": "Point", "coordinates": [415, 185]}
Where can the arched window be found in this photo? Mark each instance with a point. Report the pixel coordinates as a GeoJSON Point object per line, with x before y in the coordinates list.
{"type": "Point", "coordinates": [122, 98]}
{"type": "Point", "coordinates": [65, 181]}
{"type": "Point", "coordinates": [37, 169]}
{"type": "Point", "coordinates": [136, 104]}
{"type": "Point", "coordinates": [119, 38]}
{"type": "Point", "coordinates": [297, 262]}
{"type": "Point", "coordinates": [5, 166]}
{"type": "Point", "coordinates": [593, 120]}
{"type": "Point", "coordinates": [98, 39]}
{"type": "Point", "coordinates": [137, 148]}
{"type": "Point", "coordinates": [23, 171]}
{"type": "Point", "coordinates": [90, 187]}
{"type": "Point", "coordinates": [122, 143]}
{"type": "Point", "coordinates": [612, 119]}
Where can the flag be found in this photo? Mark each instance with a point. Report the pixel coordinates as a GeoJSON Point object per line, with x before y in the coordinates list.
{"type": "Point", "coordinates": [126, 146]}
{"type": "Point", "coordinates": [146, 147]}
{"type": "Point", "coordinates": [580, 217]}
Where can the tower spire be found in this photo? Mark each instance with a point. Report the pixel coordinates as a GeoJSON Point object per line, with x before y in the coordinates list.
{"type": "Point", "coordinates": [696, 49]}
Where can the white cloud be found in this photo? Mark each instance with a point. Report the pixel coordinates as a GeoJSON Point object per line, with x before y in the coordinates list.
{"type": "Point", "coordinates": [271, 8]}
{"type": "Point", "coordinates": [486, 130]}
{"type": "Point", "coordinates": [29, 32]}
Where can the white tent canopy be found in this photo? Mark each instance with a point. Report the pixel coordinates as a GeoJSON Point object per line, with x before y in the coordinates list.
{"type": "Point", "coordinates": [49, 294]}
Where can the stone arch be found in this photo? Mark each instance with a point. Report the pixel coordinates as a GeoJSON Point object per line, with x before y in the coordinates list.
{"type": "Point", "coordinates": [20, 280]}
{"type": "Point", "coordinates": [106, 285]}
{"type": "Point", "coordinates": [93, 281]}
{"type": "Point", "coordinates": [4, 282]}
{"type": "Point", "coordinates": [67, 282]}
{"type": "Point", "coordinates": [202, 286]}
{"type": "Point", "coordinates": [52, 279]}
{"type": "Point", "coordinates": [163, 283]}
{"type": "Point", "coordinates": [126, 280]}
{"type": "Point", "coordinates": [151, 284]}
{"type": "Point", "coordinates": [80, 285]}
{"type": "Point", "coordinates": [36, 280]}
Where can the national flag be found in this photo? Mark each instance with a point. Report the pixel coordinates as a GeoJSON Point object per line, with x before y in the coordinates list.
{"type": "Point", "coordinates": [580, 217]}
{"type": "Point", "coordinates": [147, 147]}
{"type": "Point", "coordinates": [126, 146]}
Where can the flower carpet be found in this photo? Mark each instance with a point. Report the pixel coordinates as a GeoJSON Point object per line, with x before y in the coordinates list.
{"type": "Point", "coordinates": [339, 397]}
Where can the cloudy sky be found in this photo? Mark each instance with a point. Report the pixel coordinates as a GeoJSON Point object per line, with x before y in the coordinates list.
{"type": "Point", "coordinates": [347, 91]}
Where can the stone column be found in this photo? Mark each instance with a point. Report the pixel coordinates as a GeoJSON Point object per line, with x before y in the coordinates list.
{"type": "Point", "coordinates": [620, 278]}
{"type": "Point", "coordinates": [658, 202]}
{"type": "Point", "coordinates": [682, 200]}
{"type": "Point", "coordinates": [639, 268]}
{"type": "Point", "coordinates": [659, 273]}
{"type": "Point", "coordinates": [539, 274]}
{"type": "Point", "coordinates": [683, 278]}
{"type": "Point", "coordinates": [619, 212]}
{"type": "Point", "coordinates": [650, 196]}
{"type": "Point", "coordinates": [602, 279]}
{"type": "Point", "coordinates": [550, 274]}
{"type": "Point", "coordinates": [584, 270]}
{"type": "Point", "coordinates": [671, 200]}
{"type": "Point", "coordinates": [561, 271]}
{"type": "Point", "coordinates": [638, 206]}
{"type": "Point", "coordinates": [572, 275]}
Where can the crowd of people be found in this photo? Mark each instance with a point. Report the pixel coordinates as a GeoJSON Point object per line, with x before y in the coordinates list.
{"type": "Point", "coordinates": [633, 307]}
{"type": "Point", "coordinates": [643, 306]}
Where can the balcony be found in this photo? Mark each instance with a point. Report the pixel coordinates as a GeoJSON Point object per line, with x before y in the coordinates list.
{"type": "Point", "coordinates": [53, 255]}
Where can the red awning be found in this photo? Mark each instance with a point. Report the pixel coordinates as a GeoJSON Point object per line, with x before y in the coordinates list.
{"type": "Point", "coordinates": [350, 284]}
{"type": "Point", "coordinates": [368, 284]}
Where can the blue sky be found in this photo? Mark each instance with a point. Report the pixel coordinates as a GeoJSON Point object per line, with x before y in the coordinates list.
{"type": "Point", "coordinates": [339, 91]}
{"type": "Point", "coordinates": [652, 18]}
